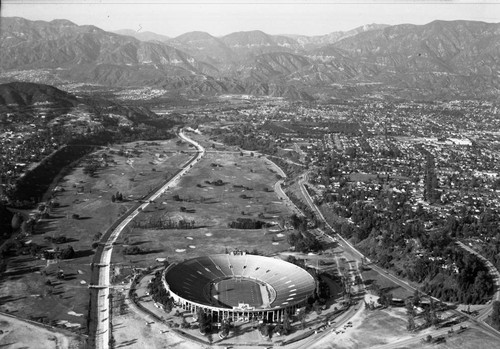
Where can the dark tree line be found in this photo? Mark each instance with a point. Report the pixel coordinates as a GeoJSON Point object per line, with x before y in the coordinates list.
{"type": "Point", "coordinates": [159, 293]}
{"type": "Point", "coordinates": [247, 223]}
{"type": "Point", "coordinates": [165, 223]}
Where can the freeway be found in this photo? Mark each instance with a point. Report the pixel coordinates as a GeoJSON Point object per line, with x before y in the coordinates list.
{"type": "Point", "coordinates": [100, 339]}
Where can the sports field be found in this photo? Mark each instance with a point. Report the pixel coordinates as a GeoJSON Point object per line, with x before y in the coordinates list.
{"type": "Point", "coordinates": [236, 291]}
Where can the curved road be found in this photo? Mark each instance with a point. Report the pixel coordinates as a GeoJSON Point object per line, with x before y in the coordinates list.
{"type": "Point", "coordinates": [279, 190]}
{"type": "Point", "coordinates": [102, 335]}
{"type": "Point", "coordinates": [477, 322]}
{"type": "Point", "coordinates": [483, 314]}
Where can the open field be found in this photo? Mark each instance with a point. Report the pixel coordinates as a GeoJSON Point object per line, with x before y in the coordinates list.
{"type": "Point", "coordinates": [131, 331]}
{"type": "Point", "coordinates": [386, 326]}
{"type": "Point", "coordinates": [34, 288]}
{"type": "Point", "coordinates": [368, 329]}
{"type": "Point", "coordinates": [469, 339]}
{"type": "Point", "coordinates": [220, 189]}
{"type": "Point", "coordinates": [20, 334]}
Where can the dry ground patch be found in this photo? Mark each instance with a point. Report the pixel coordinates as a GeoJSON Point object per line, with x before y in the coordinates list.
{"type": "Point", "coordinates": [21, 334]}
{"type": "Point", "coordinates": [369, 329]}
{"type": "Point", "coordinates": [130, 331]}
{"type": "Point", "coordinates": [32, 284]}
{"type": "Point", "coordinates": [469, 339]}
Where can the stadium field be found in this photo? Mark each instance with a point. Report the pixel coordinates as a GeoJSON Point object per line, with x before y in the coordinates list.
{"type": "Point", "coordinates": [234, 291]}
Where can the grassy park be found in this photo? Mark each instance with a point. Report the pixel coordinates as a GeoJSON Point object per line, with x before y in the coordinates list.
{"type": "Point", "coordinates": [55, 291]}
{"type": "Point", "coordinates": [221, 189]}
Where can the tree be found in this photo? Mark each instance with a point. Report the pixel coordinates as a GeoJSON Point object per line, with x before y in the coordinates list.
{"type": "Point", "coordinates": [495, 315]}
{"type": "Point", "coordinates": [383, 299]}
{"type": "Point", "coordinates": [68, 253]}
{"type": "Point", "coordinates": [265, 330]}
{"type": "Point", "coordinates": [184, 323]}
{"type": "Point", "coordinates": [411, 323]}
{"type": "Point", "coordinates": [278, 330]}
{"type": "Point", "coordinates": [358, 280]}
{"type": "Point", "coordinates": [302, 318]}
{"type": "Point", "coordinates": [410, 311]}
{"type": "Point", "coordinates": [204, 322]}
{"type": "Point", "coordinates": [225, 328]}
{"type": "Point", "coordinates": [16, 221]}
{"type": "Point", "coordinates": [416, 298]}
{"type": "Point", "coordinates": [287, 326]}
{"type": "Point", "coordinates": [433, 313]}
{"type": "Point", "coordinates": [24, 227]}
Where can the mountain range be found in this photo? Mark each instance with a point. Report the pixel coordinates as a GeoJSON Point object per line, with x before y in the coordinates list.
{"type": "Point", "coordinates": [442, 59]}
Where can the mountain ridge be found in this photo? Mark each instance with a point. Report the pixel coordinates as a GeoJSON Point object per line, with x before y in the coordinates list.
{"type": "Point", "coordinates": [445, 59]}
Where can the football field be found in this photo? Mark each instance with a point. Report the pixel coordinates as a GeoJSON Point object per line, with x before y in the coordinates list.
{"type": "Point", "coordinates": [235, 291]}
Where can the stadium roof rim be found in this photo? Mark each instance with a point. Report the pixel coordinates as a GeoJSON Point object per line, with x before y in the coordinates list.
{"type": "Point", "coordinates": [187, 280]}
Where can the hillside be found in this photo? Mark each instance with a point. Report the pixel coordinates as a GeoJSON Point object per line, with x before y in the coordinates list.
{"type": "Point", "coordinates": [204, 47]}
{"type": "Point", "coordinates": [21, 94]}
{"type": "Point", "coordinates": [143, 36]}
{"type": "Point", "coordinates": [456, 59]}
{"type": "Point", "coordinates": [44, 122]}
{"type": "Point", "coordinates": [459, 57]}
{"type": "Point", "coordinates": [61, 45]}
{"type": "Point", "coordinates": [27, 101]}
{"type": "Point", "coordinates": [312, 42]}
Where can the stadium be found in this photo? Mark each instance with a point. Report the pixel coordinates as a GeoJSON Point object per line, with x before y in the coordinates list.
{"type": "Point", "coordinates": [239, 286]}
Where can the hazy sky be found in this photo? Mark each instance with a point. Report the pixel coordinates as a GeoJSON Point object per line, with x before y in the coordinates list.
{"type": "Point", "coordinates": [220, 17]}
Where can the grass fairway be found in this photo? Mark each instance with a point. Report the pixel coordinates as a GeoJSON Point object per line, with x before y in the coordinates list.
{"type": "Point", "coordinates": [32, 286]}
{"type": "Point", "coordinates": [246, 191]}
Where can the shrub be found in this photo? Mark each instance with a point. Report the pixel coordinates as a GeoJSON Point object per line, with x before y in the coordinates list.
{"type": "Point", "coordinates": [68, 253]}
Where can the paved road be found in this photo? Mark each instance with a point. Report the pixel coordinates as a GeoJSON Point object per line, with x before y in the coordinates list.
{"type": "Point", "coordinates": [484, 313]}
{"type": "Point", "coordinates": [102, 336]}
{"type": "Point", "coordinates": [479, 322]}
{"type": "Point", "coordinates": [279, 190]}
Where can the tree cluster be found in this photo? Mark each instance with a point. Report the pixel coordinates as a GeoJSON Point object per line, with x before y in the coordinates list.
{"type": "Point", "coordinates": [159, 293]}
{"type": "Point", "coordinates": [247, 223]}
{"type": "Point", "coordinates": [304, 242]}
{"type": "Point", "coordinates": [204, 321]}
{"type": "Point", "coordinates": [165, 223]}
{"type": "Point", "coordinates": [392, 233]}
{"type": "Point", "coordinates": [117, 197]}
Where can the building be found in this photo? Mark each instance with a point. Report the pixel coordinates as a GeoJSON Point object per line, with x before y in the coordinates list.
{"type": "Point", "coordinates": [239, 287]}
